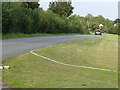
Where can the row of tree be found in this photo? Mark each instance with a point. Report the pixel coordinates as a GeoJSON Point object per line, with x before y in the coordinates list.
{"type": "Point", "coordinates": [28, 18]}
{"type": "Point", "coordinates": [109, 26]}
{"type": "Point", "coordinates": [116, 28]}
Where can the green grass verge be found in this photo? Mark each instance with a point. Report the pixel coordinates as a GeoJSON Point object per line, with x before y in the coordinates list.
{"type": "Point", "coordinates": [29, 71]}
{"type": "Point", "coordinates": [96, 52]}
{"type": "Point", "coordinates": [20, 35]}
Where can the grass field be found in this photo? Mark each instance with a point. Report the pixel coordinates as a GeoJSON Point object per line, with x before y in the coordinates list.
{"type": "Point", "coordinates": [20, 35]}
{"type": "Point", "coordinates": [30, 71]}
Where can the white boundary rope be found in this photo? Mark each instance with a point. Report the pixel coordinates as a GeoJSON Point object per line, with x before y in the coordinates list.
{"type": "Point", "coordinates": [69, 64]}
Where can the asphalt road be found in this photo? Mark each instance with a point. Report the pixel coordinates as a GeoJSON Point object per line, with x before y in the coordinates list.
{"type": "Point", "coordinates": [14, 47]}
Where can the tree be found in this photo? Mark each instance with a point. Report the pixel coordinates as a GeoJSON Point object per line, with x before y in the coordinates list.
{"type": "Point", "coordinates": [116, 21]}
{"type": "Point", "coordinates": [22, 21]}
{"type": "Point", "coordinates": [7, 10]}
{"type": "Point", "coordinates": [19, 19]}
{"type": "Point", "coordinates": [31, 5]}
{"type": "Point", "coordinates": [61, 7]}
{"type": "Point", "coordinates": [88, 18]}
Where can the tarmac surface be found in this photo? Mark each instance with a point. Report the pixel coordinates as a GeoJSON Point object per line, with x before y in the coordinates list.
{"type": "Point", "coordinates": [14, 47]}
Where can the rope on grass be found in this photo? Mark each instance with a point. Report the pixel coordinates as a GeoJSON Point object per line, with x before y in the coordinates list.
{"type": "Point", "coordinates": [70, 64]}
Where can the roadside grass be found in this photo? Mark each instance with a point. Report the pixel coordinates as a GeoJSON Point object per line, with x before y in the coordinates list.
{"type": "Point", "coordinates": [0, 35]}
{"type": "Point", "coordinates": [20, 35]}
{"type": "Point", "coordinates": [101, 52]}
{"type": "Point", "coordinates": [30, 71]}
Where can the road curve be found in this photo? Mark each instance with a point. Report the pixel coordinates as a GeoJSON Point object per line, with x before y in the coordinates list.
{"type": "Point", "coordinates": [14, 47]}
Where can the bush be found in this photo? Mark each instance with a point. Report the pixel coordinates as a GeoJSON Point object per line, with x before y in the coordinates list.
{"type": "Point", "coordinates": [115, 29]}
{"type": "Point", "coordinates": [18, 19]}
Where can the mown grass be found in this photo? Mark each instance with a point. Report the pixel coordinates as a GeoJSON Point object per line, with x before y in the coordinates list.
{"type": "Point", "coordinates": [29, 71]}
{"type": "Point", "coordinates": [20, 35]}
{"type": "Point", "coordinates": [97, 52]}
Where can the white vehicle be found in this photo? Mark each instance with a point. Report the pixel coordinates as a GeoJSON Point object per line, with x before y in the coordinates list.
{"type": "Point", "coordinates": [98, 32]}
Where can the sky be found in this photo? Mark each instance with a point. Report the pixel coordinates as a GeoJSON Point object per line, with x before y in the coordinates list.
{"type": "Point", "coordinates": [106, 8]}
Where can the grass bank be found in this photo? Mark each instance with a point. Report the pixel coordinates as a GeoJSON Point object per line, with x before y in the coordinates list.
{"type": "Point", "coordinates": [30, 71]}
{"type": "Point", "coordinates": [20, 35]}
{"type": "Point", "coordinates": [98, 52]}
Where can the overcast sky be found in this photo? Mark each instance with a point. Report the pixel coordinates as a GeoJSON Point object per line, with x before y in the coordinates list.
{"type": "Point", "coordinates": [106, 8]}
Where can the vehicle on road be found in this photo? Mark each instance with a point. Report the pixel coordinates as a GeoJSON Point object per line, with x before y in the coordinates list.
{"type": "Point", "coordinates": [98, 32]}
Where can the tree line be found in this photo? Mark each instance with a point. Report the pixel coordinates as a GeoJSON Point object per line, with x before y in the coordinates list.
{"type": "Point", "coordinates": [29, 18]}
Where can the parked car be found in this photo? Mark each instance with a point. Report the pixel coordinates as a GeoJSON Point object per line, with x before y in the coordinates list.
{"type": "Point", "coordinates": [98, 32]}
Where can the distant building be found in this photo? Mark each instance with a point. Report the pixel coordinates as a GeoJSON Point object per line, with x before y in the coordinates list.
{"type": "Point", "coordinates": [115, 24]}
{"type": "Point", "coordinates": [101, 25]}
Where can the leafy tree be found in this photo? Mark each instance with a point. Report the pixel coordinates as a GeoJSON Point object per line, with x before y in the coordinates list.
{"type": "Point", "coordinates": [19, 19]}
{"type": "Point", "coordinates": [78, 24]}
{"type": "Point", "coordinates": [87, 19]}
{"type": "Point", "coordinates": [31, 5]}
{"type": "Point", "coordinates": [22, 21]}
{"type": "Point", "coordinates": [61, 7]}
{"type": "Point", "coordinates": [7, 10]}
{"type": "Point", "coordinates": [94, 26]}
{"type": "Point", "coordinates": [97, 20]}
{"type": "Point", "coordinates": [118, 29]}
{"type": "Point", "coordinates": [117, 21]}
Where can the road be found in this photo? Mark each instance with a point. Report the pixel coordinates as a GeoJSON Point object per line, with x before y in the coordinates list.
{"type": "Point", "coordinates": [14, 47]}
